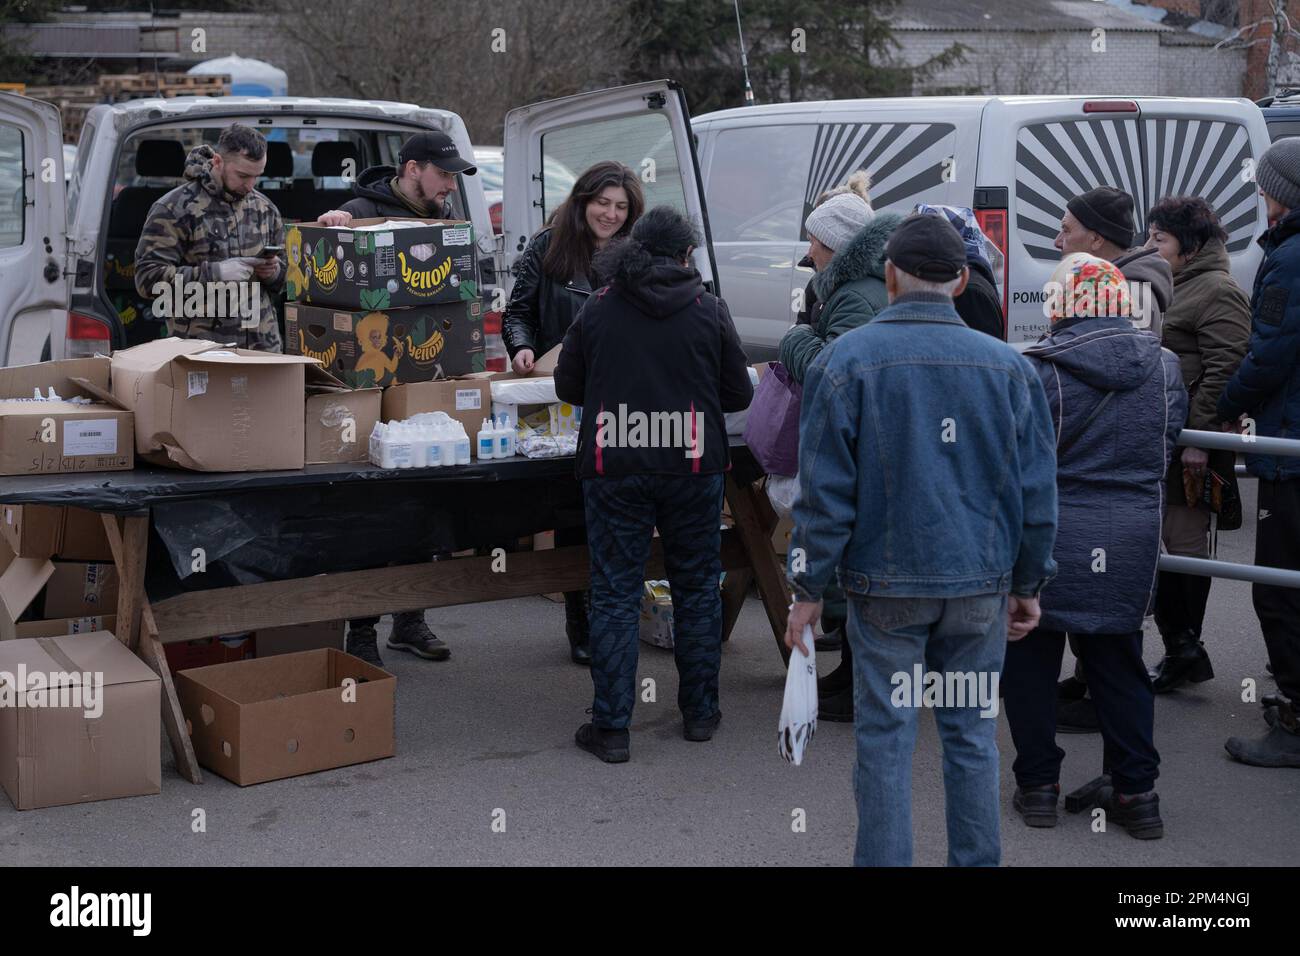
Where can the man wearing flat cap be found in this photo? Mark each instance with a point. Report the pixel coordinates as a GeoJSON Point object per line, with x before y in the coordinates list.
{"type": "Point", "coordinates": [1100, 223]}
{"type": "Point", "coordinates": [927, 486]}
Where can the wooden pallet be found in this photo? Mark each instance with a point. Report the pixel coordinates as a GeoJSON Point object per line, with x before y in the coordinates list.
{"type": "Point", "coordinates": [135, 85]}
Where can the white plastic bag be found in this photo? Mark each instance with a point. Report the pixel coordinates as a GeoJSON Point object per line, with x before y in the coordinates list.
{"type": "Point", "coordinates": [783, 491]}
{"type": "Point", "coordinates": [799, 709]}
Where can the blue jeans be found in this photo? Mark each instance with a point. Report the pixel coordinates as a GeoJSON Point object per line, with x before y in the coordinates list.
{"type": "Point", "coordinates": [622, 514]}
{"type": "Point", "coordinates": [891, 637]}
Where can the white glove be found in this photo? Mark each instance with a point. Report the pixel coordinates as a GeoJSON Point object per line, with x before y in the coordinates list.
{"type": "Point", "coordinates": [236, 270]}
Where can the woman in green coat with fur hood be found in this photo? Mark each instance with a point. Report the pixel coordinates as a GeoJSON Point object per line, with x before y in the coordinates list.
{"type": "Point", "coordinates": [846, 243]}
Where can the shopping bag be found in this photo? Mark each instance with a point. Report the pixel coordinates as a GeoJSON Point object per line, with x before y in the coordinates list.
{"type": "Point", "coordinates": [799, 709]}
{"type": "Point", "coordinates": [772, 430]}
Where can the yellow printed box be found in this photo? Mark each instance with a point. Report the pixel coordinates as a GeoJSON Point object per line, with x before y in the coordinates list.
{"type": "Point", "coordinates": [376, 269]}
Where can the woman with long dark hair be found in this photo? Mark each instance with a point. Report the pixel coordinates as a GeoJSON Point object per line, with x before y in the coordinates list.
{"type": "Point", "coordinates": [553, 280]}
{"type": "Point", "coordinates": [653, 349]}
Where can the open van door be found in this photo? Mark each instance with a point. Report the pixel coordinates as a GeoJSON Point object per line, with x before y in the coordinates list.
{"type": "Point", "coordinates": [33, 227]}
{"type": "Point", "coordinates": [645, 126]}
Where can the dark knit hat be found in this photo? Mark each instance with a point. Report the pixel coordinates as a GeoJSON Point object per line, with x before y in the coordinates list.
{"type": "Point", "coordinates": [1278, 172]}
{"type": "Point", "coordinates": [1107, 211]}
{"type": "Point", "coordinates": [927, 247]}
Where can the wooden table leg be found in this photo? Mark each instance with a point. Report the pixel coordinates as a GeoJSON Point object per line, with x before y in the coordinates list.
{"type": "Point", "coordinates": [137, 630]}
{"type": "Point", "coordinates": [752, 512]}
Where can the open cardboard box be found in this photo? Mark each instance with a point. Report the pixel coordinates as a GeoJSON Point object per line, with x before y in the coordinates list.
{"type": "Point", "coordinates": [23, 579]}
{"type": "Point", "coordinates": [338, 419]}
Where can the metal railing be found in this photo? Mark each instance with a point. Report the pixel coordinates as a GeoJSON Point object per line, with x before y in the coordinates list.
{"type": "Point", "coordinates": [1211, 568]}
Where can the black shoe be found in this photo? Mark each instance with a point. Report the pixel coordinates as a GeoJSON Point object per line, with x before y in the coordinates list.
{"type": "Point", "coordinates": [1280, 747]}
{"type": "Point", "coordinates": [1077, 717]}
{"type": "Point", "coordinates": [411, 634]}
{"type": "Point", "coordinates": [577, 609]}
{"type": "Point", "coordinates": [1071, 689]}
{"type": "Point", "coordinates": [1139, 815]}
{"type": "Point", "coordinates": [1185, 661]}
{"type": "Point", "coordinates": [609, 745]}
{"type": "Point", "coordinates": [362, 643]}
{"type": "Point", "coordinates": [829, 642]}
{"type": "Point", "coordinates": [1037, 805]}
{"type": "Point", "coordinates": [838, 680]}
{"type": "Point", "coordinates": [1272, 703]}
{"type": "Point", "coordinates": [1090, 795]}
{"type": "Point", "coordinates": [701, 730]}
{"type": "Point", "coordinates": [837, 708]}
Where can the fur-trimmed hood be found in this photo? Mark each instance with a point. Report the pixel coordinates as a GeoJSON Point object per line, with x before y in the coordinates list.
{"type": "Point", "coordinates": [862, 258]}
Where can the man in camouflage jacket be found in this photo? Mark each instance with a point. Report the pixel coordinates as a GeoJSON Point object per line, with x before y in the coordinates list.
{"type": "Point", "coordinates": [212, 230]}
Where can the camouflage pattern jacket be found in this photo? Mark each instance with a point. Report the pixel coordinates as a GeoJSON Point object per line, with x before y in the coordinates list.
{"type": "Point", "coordinates": [189, 231]}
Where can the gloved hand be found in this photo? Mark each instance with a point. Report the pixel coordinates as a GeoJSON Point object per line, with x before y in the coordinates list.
{"type": "Point", "coordinates": [237, 269]}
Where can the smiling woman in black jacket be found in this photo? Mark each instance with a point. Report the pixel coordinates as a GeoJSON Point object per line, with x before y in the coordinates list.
{"type": "Point", "coordinates": [655, 362]}
{"type": "Point", "coordinates": [553, 280]}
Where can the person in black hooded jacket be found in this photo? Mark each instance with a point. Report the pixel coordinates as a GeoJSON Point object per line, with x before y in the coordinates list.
{"type": "Point", "coordinates": [655, 362]}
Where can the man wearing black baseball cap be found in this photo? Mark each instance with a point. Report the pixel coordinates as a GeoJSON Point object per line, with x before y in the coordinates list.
{"type": "Point", "coordinates": [419, 185]}
{"type": "Point", "coordinates": [927, 486]}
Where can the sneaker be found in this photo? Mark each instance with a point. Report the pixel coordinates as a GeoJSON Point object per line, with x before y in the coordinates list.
{"type": "Point", "coordinates": [701, 730]}
{"type": "Point", "coordinates": [411, 634]}
{"type": "Point", "coordinates": [362, 643]}
{"type": "Point", "coordinates": [1077, 717]}
{"type": "Point", "coordinates": [1071, 689]}
{"type": "Point", "coordinates": [1280, 747]}
{"type": "Point", "coordinates": [610, 746]}
{"type": "Point", "coordinates": [1037, 805]}
{"type": "Point", "coordinates": [1138, 814]}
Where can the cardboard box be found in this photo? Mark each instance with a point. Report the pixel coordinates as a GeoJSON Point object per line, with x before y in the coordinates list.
{"type": "Point", "coordinates": [296, 638]}
{"type": "Point", "coordinates": [61, 626]}
{"type": "Point", "coordinates": [40, 531]}
{"type": "Point", "coordinates": [656, 621]}
{"type": "Point", "coordinates": [79, 589]}
{"type": "Point", "coordinates": [204, 407]}
{"type": "Point", "coordinates": [468, 400]}
{"type": "Point", "coordinates": [277, 717]}
{"type": "Point", "coordinates": [381, 269]}
{"type": "Point", "coordinates": [183, 655]}
{"type": "Point", "coordinates": [55, 755]}
{"type": "Point", "coordinates": [338, 419]}
{"type": "Point", "coordinates": [390, 347]}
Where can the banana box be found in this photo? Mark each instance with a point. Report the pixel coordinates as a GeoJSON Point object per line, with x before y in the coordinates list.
{"type": "Point", "coordinates": [365, 349]}
{"type": "Point", "coordinates": [380, 264]}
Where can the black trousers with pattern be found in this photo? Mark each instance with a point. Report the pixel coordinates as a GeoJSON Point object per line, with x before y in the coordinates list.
{"type": "Point", "coordinates": [622, 514]}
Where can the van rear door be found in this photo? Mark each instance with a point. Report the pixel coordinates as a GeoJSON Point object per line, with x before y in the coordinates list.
{"type": "Point", "coordinates": [645, 126]}
{"type": "Point", "coordinates": [33, 227]}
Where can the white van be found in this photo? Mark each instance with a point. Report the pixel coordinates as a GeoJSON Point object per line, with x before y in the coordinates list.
{"type": "Point", "coordinates": [67, 280]}
{"type": "Point", "coordinates": [1014, 160]}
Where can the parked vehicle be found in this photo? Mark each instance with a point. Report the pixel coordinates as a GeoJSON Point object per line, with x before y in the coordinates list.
{"type": "Point", "coordinates": [67, 255]}
{"type": "Point", "coordinates": [491, 163]}
{"type": "Point", "coordinates": [1015, 160]}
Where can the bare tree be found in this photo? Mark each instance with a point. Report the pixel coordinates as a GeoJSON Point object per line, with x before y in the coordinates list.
{"type": "Point", "coordinates": [1281, 32]}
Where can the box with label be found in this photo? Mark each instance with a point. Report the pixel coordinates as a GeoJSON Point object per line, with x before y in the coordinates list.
{"type": "Point", "coordinates": [290, 714]}
{"type": "Point", "coordinates": [91, 733]}
{"type": "Point", "coordinates": [295, 638]}
{"type": "Point", "coordinates": [202, 406]}
{"type": "Point", "coordinates": [80, 588]}
{"type": "Point", "coordinates": [391, 346]}
{"type": "Point", "coordinates": [468, 400]}
{"type": "Point", "coordinates": [358, 267]}
{"type": "Point", "coordinates": [338, 419]}
{"type": "Point", "coordinates": [42, 531]}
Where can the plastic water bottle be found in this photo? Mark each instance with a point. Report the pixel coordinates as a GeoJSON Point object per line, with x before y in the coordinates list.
{"type": "Point", "coordinates": [505, 438]}
{"type": "Point", "coordinates": [486, 442]}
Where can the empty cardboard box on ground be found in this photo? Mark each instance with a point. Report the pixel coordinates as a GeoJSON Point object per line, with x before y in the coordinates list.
{"type": "Point", "coordinates": [338, 419]}
{"type": "Point", "coordinates": [43, 436]}
{"type": "Point", "coordinates": [286, 715]}
{"type": "Point", "coordinates": [208, 408]}
{"type": "Point", "coordinates": [390, 347]}
{"type": "Point", "coordinates": [51, 752]}
{"type": "Point", "coordinates": [381, 269]}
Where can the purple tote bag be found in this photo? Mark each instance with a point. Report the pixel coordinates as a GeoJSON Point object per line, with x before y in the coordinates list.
{"type": "Point", "coordinates": [772, 428]}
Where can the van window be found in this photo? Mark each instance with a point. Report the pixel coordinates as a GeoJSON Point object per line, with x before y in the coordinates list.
{"type": "Point", "coordinates": [643, 143]}
{"type": "Point", "coordinates": [757, 183]}
{"type": "Point", "coordinates": [13, 197]}
{"type": "Point", "coordinates": [1148, 158]}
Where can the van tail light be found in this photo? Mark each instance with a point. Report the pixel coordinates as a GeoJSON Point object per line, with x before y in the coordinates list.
{"type": "Point", "coordinates": [87, 336]}
{"type": "Point", "coordinates": [497, 359]}
{"type": "Point", "coordinates": [494, 213]}
{"type": "Point", "coordinates": [993, 223]}
{"type": "Point", "coordinates": [1110, 106]}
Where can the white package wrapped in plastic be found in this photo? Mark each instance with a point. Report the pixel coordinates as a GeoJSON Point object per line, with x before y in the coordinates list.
{"type": "Point", "coordinates": [799, 708]}
{"type": "Point", "coordinates": [524, 391]}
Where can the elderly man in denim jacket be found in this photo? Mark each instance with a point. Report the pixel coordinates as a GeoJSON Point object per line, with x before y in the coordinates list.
{"type": "Point", "coordinates": [928, 487]}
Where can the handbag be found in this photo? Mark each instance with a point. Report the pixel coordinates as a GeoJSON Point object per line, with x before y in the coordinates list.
{"type": "Point", "coordinates": [772, 429]}
{"type": "Point", "coordinates": [1216, 492]}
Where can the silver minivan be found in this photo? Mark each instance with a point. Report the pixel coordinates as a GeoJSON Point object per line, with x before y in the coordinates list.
{"type": "Point", "coordinates": [1014, 160]}
{"type": "Point", "coordinates": [66, 256]}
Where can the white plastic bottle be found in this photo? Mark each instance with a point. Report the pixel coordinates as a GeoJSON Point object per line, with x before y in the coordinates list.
{"type": "Point", "coordinates": [446, 441]}
{"type": "Point", "coordinates": [505, 438]}
{"type": "Point", "coordinates": [486, 443]}
{"type": "Point", "coordinates": [419, 446]}
{"type": "Point", "coordinates": [395, 451]}
{"type": "Point", "coordinates": [462, 447]}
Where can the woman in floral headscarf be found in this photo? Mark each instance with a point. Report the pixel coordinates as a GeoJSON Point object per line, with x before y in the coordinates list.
{"type": "Point", "coordinates": [1118, 403]}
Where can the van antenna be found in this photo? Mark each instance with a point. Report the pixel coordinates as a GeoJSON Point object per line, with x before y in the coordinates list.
{"type": "Point", "coordinates": [744, 61]}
